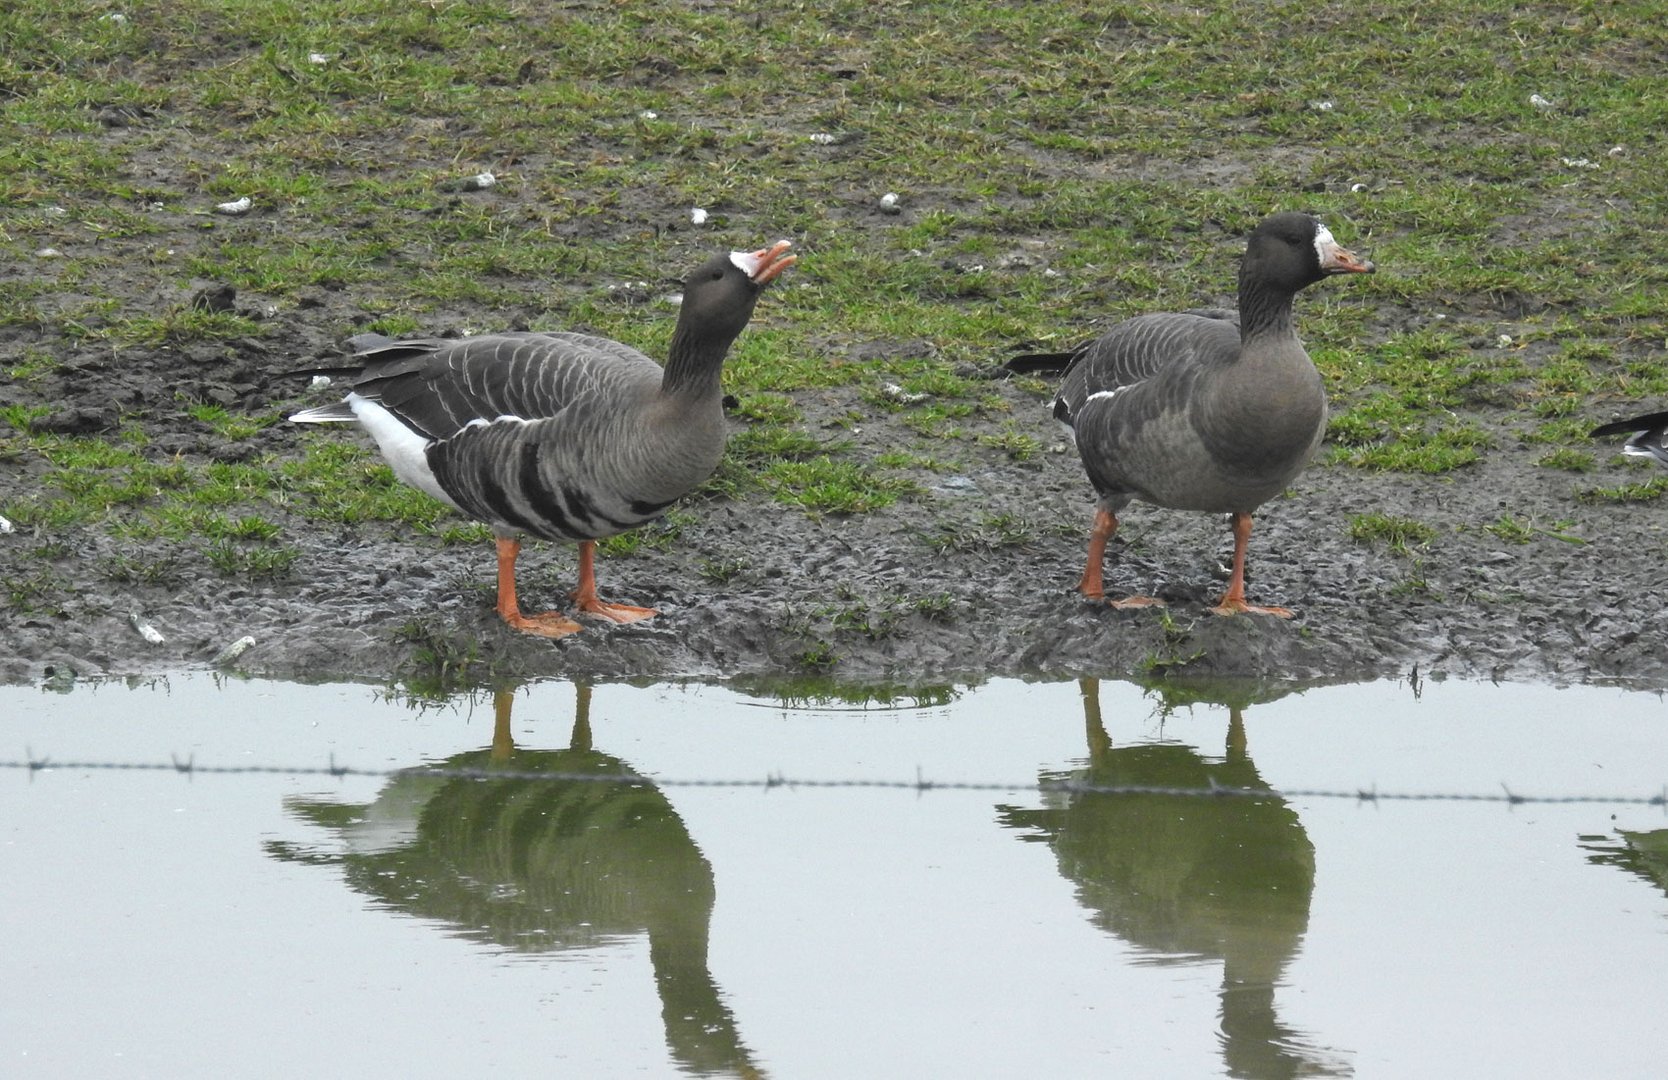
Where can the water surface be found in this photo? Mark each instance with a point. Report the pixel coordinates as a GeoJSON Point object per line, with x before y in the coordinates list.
{"type": "Point", "coordinates": [529, 920]}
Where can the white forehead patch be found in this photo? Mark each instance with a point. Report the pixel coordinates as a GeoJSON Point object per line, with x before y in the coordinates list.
{"type": "Point", "coordinates": [1323, 240]}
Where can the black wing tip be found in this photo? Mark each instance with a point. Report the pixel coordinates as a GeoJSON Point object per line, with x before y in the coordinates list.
{"type": "Point", "coordinates": [1648, 423]}
{"type": "Point", "coordinates": [1032, 363]}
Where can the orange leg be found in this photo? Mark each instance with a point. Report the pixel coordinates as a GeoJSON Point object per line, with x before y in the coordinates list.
{"type": "Point", "coordinates": [1090, 583]}
{"type": "Point", "coordinates": [1233, 601]}
{"type": "Point", "coordinates": [586, 595]}
{"type": "Point", "coordinates": [550, 624]}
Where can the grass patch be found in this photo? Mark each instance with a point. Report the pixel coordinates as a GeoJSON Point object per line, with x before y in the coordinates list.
{"type": "Point", "coordinates": [1640, 491]}
{"type": "Point", "coordinates": [1400, 534]}
{"type": "Point", "coordinates": [823, 485]}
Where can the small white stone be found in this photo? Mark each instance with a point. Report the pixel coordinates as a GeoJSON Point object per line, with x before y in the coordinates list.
{"type": "Point", "coordinates": [146, 630]}
{"type": "Point", "coordinates": [1617, 151]}
{"type": "Point", "coordinates": [1579, 163]}
{"type": "Point", "coordinates": [114, 17]}
{"type": "Point", "coordinates": [479, 182]}
{"type": "Point", "coordinates": [317, 58]}
{"type": "Point", "coordinates": [235, 207]}
{"type": "Point", "coordinates": [1358, 188]}
{"type": "Point", "coordinates": [49, 253]}
{"type": "Point", "coordinates": [319, 382]}
{"type": "Point", "coordinates": [54, 211]}
{"type": "Point", "coordinates": [697, 215]}
{"type": "Point", "coordinates": [6, 527]}
{"type": "Point", "coordinates": [233, 651]}
{"type": "Point", "coordinates": [1321, 106]}
{"type": "Point", "coordinates": [648, 114]}
{"type": "Point", "coordinates": [902, 396]}
{"type": "Point", "coordinates": [1503, 340]}
{"type": "Point", "coordinates": [889, 203]}
{"type": "Point", "coordinates": [1540, 103]}
{"type": "Point", "coordinates": [823, 138]}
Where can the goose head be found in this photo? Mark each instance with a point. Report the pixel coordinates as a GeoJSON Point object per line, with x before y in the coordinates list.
{"type": "Point", "coordinates": [1290, 250]}
{"type": "Point", "coordinates": [718, 297]}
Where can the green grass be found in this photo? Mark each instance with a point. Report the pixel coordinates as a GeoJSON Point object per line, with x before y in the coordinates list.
{"type": "Point", "coordinates": [1061, 166]}
{"type": "Point", "coordinates": [1400, 534]}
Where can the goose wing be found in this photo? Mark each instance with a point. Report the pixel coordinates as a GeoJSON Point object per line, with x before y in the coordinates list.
{"type": "Point", "coordinates": [438, 388]}
{"type": "Point", "coordinates": [1137, 350]}
{"type": "Point", "coordinates": [1650, 435]}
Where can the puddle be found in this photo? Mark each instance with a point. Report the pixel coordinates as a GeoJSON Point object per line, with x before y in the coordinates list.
{"type": "Point", "coordinates": [906, 883]}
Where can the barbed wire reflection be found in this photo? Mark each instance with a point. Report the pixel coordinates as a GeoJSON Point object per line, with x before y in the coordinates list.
{"type": "Point", "coordinates": [920, 783]}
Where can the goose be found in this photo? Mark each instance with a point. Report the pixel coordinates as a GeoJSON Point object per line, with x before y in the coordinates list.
{"type": "Point", "coordinates": [1650, 440]}
{"type": "Point", "coordinates": [560, 436]}
{"type": "Point", "coordinates": [1208, 409]}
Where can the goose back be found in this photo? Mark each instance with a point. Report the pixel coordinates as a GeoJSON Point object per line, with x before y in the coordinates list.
{"type": "Point", "coordinates": [556, 435]}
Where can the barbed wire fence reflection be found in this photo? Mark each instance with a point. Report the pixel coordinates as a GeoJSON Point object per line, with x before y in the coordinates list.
{"type": "Point", "coordinates": [921, 784]}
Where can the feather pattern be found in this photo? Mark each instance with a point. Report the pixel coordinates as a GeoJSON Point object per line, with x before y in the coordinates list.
{"type": "Point", "coordinates": [1650, 435]}
{"type": "Point", "coordinates": [562, 436]}
{"type": "Point", "coordinates": [1207, 409]}
{"type": "Point", "coordinates": [1211, 412]}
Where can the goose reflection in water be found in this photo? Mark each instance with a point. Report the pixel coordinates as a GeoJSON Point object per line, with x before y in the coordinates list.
{"type": "Point", "coordinates": [1643, 854]}
{"type": "Point", "coordinates": [545, 865]}
{"type": "Point", "coordinates": [1188, 880]}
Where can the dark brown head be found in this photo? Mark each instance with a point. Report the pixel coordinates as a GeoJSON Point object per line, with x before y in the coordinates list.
{"type": "Point", "coordinates": [718, 297]}
{"type": "Point", "coordinates": [1288, 251]}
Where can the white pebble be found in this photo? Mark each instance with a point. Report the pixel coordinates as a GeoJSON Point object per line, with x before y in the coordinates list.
{"type": "Point", "coordinates": [146, 630]}
{"type": "Point", "coordinates": [889, 203]}
{"type": "Point", "coordinates": [6, 527]}
{"type": "Point", "coordinates": [233, 651]}
{"type": "Point", "coordinates": [1617, 151]}
{"type": "Point", "coordinates": [1579, 163]}
{"type": "Point", "coordinates": [237, 206]}
{"type": "Point", "coordinates": [1321, 106]}
{"type": "Point", "coordinates": [49, 253]}
{"type": "Point", "coordinates": [479, 182]}
{"type": "Point", "coordinates": [1503, 340]}
{"type": "Point", "coordinates": [317, 58]}
{"type": "Point", "coordinates": [54, 211]}
{"type": "Point", "coordinates": [1540, 103]}
{"type": "Point", "coordinates": [1358, 188]}
{"type": "Point", "coordinates": [648, 114]}
{"type": "Point", "coordinates": [320, 381]}
{"type": "Point", "coordinates": [822, 138]}
{"type": "Point", "coordinates": [899, 394]}
{"type": "Point", "coordinates": [114, 17]}
{"type": "Point", "coordinates": [697, 216]}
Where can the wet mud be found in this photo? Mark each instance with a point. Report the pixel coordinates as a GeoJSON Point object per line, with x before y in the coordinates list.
{"type": "Point", "coordinates": [971, 577]}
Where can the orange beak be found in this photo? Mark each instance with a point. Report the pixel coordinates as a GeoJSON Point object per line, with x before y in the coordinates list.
{"type": "Point", "coordinates": [770, 262]}
{"type": "Point", "coordinates": [1341, 260]}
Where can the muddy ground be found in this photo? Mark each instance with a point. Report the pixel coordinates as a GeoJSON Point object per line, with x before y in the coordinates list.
{"type": "Point", "coordinates": [971, 578]}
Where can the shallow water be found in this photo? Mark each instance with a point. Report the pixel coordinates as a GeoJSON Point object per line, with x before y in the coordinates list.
{"type": "Point", "coordinates": [283, 923]}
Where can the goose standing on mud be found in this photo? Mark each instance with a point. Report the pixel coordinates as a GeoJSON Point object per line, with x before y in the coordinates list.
{"type": "Point", "coordinates": [1203, 410]}
{"type": "Point", "coordinates": [1649, 441]}
{"type": "Point", "coordinates": [561, 436]}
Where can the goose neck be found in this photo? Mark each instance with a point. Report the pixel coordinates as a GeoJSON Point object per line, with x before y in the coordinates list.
{"type": "Point", "coordinates": [693, 364]}
{"type": "Point", "coordinates": [1264, 311]}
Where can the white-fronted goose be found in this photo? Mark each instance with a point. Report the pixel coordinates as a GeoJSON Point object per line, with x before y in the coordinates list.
{"type": "Point", "coordinates": [557, 435]}
{"type": "Point", "coordinates": [1649, 441]}
{"type": "Point", "coordinates": [1203, 410]}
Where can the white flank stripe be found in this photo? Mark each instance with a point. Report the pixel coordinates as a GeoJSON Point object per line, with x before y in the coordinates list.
{"type": "Point", "coordinates": [404, 449]}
